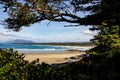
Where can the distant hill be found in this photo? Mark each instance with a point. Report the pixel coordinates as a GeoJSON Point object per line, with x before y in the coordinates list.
{"type": "Point", "coordinates": [20, 41]}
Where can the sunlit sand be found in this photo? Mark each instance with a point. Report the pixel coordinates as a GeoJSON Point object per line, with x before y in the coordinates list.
{"type": "Point", "coordinates": [52, 57]}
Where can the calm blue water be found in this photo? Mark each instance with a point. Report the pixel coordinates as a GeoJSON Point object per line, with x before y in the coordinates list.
{"type": "Point", "coordinates": [33, 47]}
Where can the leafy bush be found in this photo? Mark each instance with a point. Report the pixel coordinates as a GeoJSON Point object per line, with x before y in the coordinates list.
{"type": "Point", "coordinates": [12, 65]}
{"type": "Point", "coordinates": [94, 67]}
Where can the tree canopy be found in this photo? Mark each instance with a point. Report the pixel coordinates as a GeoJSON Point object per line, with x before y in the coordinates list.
{"type": "Point", "coordinates": [104, 15]}
{"type": "Point", "coordinates": [27, 12]}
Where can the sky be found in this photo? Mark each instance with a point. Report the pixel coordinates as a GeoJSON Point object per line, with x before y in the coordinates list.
{"type": "Point", "coordinates": [42, 32]}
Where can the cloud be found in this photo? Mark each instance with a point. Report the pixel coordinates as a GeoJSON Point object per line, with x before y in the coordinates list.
{"type": "Point", "coordinates": [5, 36]}
{"type": "Point", "coordinates": [9, 35]}
{"type": "Point", "coordinates": [75, 36]}
{"type": "Point", "coordinates": [50, 35]}
{"type": "Point", "coordinates": [88, 32]}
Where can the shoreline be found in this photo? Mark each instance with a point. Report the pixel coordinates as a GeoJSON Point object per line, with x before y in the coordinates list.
{"type": "Point", "coordinates": [54, 57]}
{"type": "Point", "coordinates": [65, 48]}
{"type": "Point", "coordinates": [63, 44]}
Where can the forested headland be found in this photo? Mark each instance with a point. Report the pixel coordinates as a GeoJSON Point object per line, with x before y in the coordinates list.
{"type": "Point", "coordinates": [64, 43]}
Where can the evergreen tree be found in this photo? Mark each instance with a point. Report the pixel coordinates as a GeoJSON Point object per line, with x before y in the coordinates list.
{"type": "Point", "coordinates": [27, 12]}
{"type": "Point", "coordinates": [106, 39]}
{"type": "Point", "coordinates": [104, 16]}
{"type": "Point", "coordinates": [108, 36]}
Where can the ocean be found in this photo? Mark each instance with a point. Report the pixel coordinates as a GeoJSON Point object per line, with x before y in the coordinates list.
{"type": "Point", "coordinates": [41, 48]}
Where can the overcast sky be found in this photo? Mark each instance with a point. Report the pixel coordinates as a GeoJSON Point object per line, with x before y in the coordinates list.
{"type": "Point", "coordinates": [42, 32]}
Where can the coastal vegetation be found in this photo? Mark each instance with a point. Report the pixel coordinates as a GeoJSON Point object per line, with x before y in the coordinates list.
{"type": "Point", "coordinates": [63, 43]}
{"type": "Point", "coordinates": [21, 41]}
{"type": "Point", "coordinates": [94, 67]}
{"type": "Point", "coordinates": [103, 60]}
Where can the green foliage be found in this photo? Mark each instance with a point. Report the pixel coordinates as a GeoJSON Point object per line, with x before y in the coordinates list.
{"type": "Point", "coordinates": [27, 12]}
{"type": "Point", "coordinates": [103, 61]}
{"type": "Point", "coordinates": [94, 67]}
{"type": "Point", "coordinates": [12, 65]}
{"type": "Point", "coordinates": [106, 65]}
{"type": "Point", "coordinates": [108, 38]}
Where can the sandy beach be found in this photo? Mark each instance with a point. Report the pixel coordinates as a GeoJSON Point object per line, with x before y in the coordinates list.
{"type": "Point", "coordinates": [52, 57]}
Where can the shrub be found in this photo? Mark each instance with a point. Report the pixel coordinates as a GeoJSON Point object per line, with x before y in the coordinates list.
{"type": "Point", "coordinates": [94, 67]}
{"type": "Point", "coordinates": [12, 65]}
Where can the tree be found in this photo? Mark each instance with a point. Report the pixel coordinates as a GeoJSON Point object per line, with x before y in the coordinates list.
{"type": "Point", "coordinates": [108, 36]}
{"type": "Point", "coordinates": [26, 12]}
{"type": "Point", "coordinates": [104, 15]}
{"type": "Point", "coordinates": [106, 39]}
